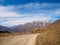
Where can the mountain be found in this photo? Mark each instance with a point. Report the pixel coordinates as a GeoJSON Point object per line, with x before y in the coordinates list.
{"type": "Point", "coordinates": [29, 26]}
{"type": "Point", "coordinates": [4, 32]}
{"type": "Point", "coordinates": [55, 26]}
{"type": "Point", "coordinates": [4, 29]}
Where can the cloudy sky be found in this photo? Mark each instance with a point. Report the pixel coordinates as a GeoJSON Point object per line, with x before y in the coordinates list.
{"type": "Point", "coordinates": [14, 12]}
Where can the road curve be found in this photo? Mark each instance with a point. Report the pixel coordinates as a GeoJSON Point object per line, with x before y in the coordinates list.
{"type": "Point", "coordinates": [28, 39]}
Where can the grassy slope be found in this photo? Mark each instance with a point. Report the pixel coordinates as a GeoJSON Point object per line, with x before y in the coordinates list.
{"type": "Point", "coordinates": [53, 26]}
{"type": "Point", "coordinates": [4, 34]}
{"type": "Point", "coordinates": [8, 34]}
{"type": "Point", "coordinates": [51, 36]}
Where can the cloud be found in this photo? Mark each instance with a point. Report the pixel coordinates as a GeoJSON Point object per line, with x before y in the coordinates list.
{"type": "Point", "coordinates": [8, 16]}
{"type": "Point", "coordinates": [19, 14]}
{"type": "Point", "coordinates": [39, 6]}
{"type": "Point", "coordinates": [8, 12]}
{"type": "Point", "coordinates": [58, 12]}
{"type": "Point", "coordinates": [17, 21]}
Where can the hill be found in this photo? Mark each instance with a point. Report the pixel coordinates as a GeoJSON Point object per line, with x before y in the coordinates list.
{"type": "Point", "coordinates": [4, 29]}
{"type": "Point", "coordinates": [54, 26]}
{"type": "Point", "coordinates": [50, 35]}
{"type": "Point", "coordinates": [30, 25]}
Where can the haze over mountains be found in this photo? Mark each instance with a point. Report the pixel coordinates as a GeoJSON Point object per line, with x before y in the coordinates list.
{"type": "Point", "coordinates": [32, 27]}
{"type": "Point", "coordinates": [55, 26]}
{"type": "Point", "coordinates": [25, 27]}
{"type": "Point", "coordinates": [4, 29]}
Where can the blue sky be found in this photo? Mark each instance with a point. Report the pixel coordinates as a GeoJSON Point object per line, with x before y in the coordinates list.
{"type": "Point", "coordinates": [15, 12]}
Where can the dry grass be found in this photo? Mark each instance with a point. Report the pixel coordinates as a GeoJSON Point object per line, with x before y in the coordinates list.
{"type": "Point", "coordinates": [49, 35]}
{"type": "Point", "coordinates": [49, 38]}
{"type": "Point", "coordinates": [8, 34]}
{"type": "Point", "coordinates": [53, 26]}
{"type": "Point", "coordinates": [4, 34]}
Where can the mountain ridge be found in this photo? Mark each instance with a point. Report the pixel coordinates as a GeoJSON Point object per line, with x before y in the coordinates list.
{"type": "Point", "coordinates": [53, 26]}
{"type": "Point", "coordinates": [30, 25]}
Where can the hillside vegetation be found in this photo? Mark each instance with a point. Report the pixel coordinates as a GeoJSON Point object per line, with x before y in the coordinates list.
{"type": "Point", "coordinates": [51, 35]}
{"type": "Point", "coordinates": [55, 26]}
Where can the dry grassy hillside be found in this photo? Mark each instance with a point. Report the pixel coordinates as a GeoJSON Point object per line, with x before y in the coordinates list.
{"type": "Point", "coordinates": [49, 35]}
{"type": "Point", "coordinates": [49, 38]}
{"type": "Point", "coordinates": [54, 27]}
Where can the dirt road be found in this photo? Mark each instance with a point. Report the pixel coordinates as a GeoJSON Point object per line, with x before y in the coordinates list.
{"type": "Point", "coordinates": [29, 39]}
